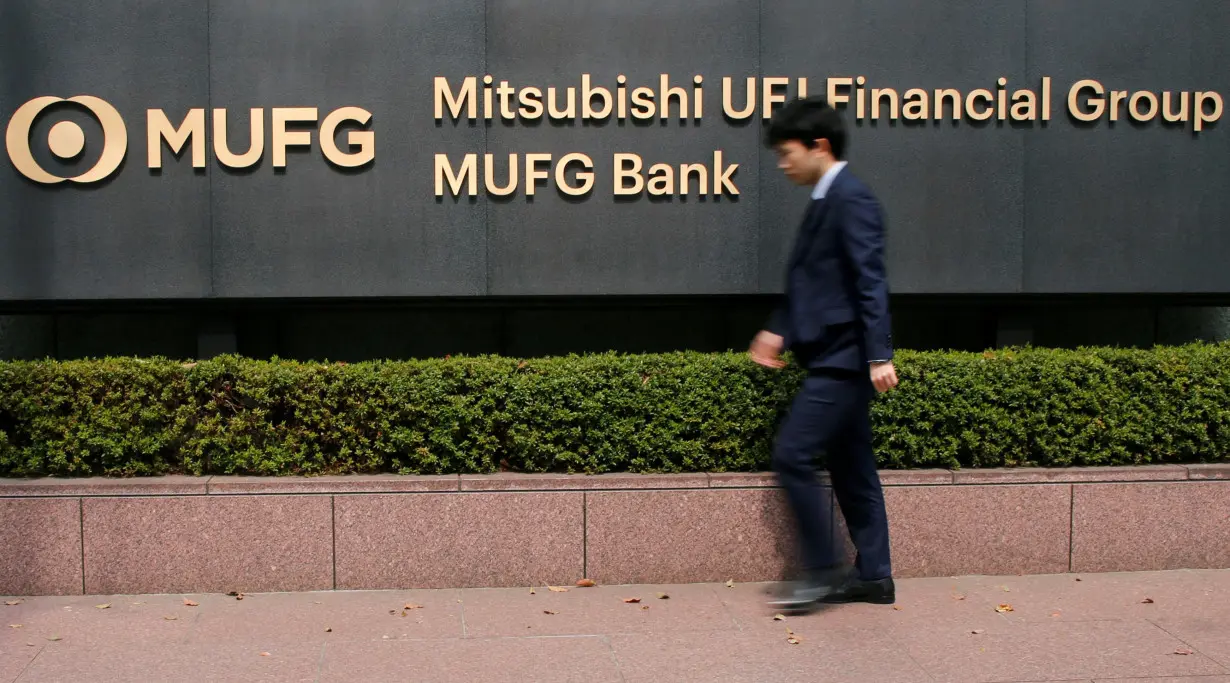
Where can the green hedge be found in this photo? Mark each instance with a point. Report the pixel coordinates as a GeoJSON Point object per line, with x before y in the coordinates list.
{"type": "Point", "coordinates": [674, 412]}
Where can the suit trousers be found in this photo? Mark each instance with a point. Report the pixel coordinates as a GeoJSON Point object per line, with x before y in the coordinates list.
{"type": "Point", "coordinates": [832, 412]}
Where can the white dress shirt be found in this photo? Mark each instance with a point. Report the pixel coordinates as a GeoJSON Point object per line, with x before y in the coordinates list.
{"type": "Point", "coordinates": [826, 180]}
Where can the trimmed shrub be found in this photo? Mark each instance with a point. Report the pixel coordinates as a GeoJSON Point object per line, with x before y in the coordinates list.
{"type": "Point", "coordinates": [675, 412]}
{"type": "Point", "coordinates": [78, 418]}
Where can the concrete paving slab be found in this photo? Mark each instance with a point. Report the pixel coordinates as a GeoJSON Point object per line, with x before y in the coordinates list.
{"type": "Point", "coordinates": [1002, 629]}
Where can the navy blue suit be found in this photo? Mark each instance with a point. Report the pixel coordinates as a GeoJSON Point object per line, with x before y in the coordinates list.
{"type": "Point", "coordinates": [835, 319]}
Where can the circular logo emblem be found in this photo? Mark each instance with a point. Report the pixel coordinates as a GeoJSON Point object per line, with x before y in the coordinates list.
{"type": "Point", "coordinates": [66, 139]}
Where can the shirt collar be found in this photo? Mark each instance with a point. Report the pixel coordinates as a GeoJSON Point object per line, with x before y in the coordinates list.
{"type": "Point", "coordinates": [826, 180]}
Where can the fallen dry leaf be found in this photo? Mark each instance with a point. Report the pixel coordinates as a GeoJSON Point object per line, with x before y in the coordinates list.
{"type": "Point", "coordinates": [264, 654]}
{"type": "Point", "coordinates": [1078, 578]}
{"type": "Point", "coordinates": [239, 596]}
{"type": "Point", "coordinates": [663, 596]}
{"type": "Point", "coordinates": [958, 597]}
{"type": "Point", "coordinates": [12, 603]}
{"type": "Point", "coordinates": [105, 605]}
{"type": "Point", "coordinates": [191, 603]}
{"type": "Point", "coordinates": [1004, 608]}
{"type": "Point", "coordinates": [632, 599]}
{"type": "Point", "coordinates": [171, 617]}
{"type": "Point", "coordinates": [1055, 614]}
{"type": "Point", "coordinates": [393, 611]}
{"type": "Point", "coordinates": [411, 605]}
{"type": "Point", "coordinates": [897, 607]}
{"type": "Point", "coordinates": [1183, 651]}
{"type": "Point", "coordinates": [328, 630]}
{"type": "Point", "coordinates": [730, 583]}
{"type": "Point", "coordinates": [1147, 601]}
{"type": "Point", "coordinates": [1006, 589]}
{"type": "Point", "coordinates": [557, 589]}
{"type": "Point", "coordinates": [14, 625]}
{"type": "Point", "coordinates": [54, 638]}
{"type": "Point", "coordinates": [978, 631]}
{"type": "Point", "coordinates": [644, 607]}
{"type": "Point", "coordinates": [779, 617]}
{"type": "Point", "coordinates": [29, 644]}
{"type": "Point", "coordinates": [547, 611]}
{"type": "Point", "coordinates": [586, 583]}
{"type": "Point", "coordinates": [532, 592]}
{"type": "Point", "coordinates": [792, 638]}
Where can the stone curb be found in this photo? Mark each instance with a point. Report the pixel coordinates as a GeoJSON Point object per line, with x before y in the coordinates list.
{"type": "Point", "coordinates": [179, 485]}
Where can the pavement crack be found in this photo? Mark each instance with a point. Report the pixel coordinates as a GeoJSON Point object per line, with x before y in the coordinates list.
{"type": "Point", "coordinates": [320, 663]}
{"type": "Point", "coordinates": [614, 659]}
{"type": "Point", "coordinates": [726, 608]}
{"type": "Point", "coordinates": [901, 646]}
{"type": "Point", "coordinates": [1193, 648]}
{"type": "Point", "coordinates": [41, 649]}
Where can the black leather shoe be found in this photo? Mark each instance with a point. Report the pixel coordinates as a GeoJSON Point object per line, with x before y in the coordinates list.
{"type": "Point", "coordinates": [807, 593]}
{"type": "Point", "coordinates": [881, 592]}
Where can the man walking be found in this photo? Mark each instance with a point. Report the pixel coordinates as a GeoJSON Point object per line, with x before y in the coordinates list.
{"type": "Point", "coordinates": [835, 319]}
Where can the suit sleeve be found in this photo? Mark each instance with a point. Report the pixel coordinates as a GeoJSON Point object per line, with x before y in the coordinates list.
{"type": "Point", "coordinates": [779, 322]}
{"type": "Point", "coordinates": [862, 243]}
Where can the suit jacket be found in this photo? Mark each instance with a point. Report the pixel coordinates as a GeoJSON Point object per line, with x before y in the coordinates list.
{"type": "Point", "coordinates": [835, 310]}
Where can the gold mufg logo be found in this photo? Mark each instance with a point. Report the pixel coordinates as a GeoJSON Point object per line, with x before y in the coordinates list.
{"type": "Point", "coordinates": [66, 139]}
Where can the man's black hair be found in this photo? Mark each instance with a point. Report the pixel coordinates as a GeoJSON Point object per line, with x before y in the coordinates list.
{"type": "Point", "coordinates": [806, 120]}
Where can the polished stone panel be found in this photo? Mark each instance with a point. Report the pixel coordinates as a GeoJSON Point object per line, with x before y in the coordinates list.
{"type": "Point", "coordinates": [1052, 475]}
{"type": "Point", "coordinates": [952, 530]}
{"type": "Point", "coordinates": [439, 540]}
{"type": "Point", "coordinates": [684, 536]}
{"type": "Point", "coordinates": [576, 482]}
{"type": "Point", "coordinates": [208, 544]}
{"type": "Point", "coordinates": [1126, 527]}
{"type": "Point", "coordinates": [40, 546]}
{"type": "Point", "coordinates": [354, 483]}
{"type": "Point", "coordinates": [175, 485]}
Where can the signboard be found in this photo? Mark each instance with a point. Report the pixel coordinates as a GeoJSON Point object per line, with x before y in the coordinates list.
{"type": "Point", "coordinates": [320, 148]}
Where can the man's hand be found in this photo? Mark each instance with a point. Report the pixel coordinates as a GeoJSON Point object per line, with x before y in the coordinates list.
{"type": "Point", "coordinates": [883, 376]}
{"type": "Point", "coordinates": [766, 348]}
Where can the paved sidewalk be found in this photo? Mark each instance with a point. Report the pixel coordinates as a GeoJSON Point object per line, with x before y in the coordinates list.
{"type": "Point", "coordinates": [1137, 627]}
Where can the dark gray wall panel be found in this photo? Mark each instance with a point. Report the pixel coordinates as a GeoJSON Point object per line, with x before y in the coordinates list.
{"type": "Point", "coordinates": [27, 337]}
{"type": "Point", "coordinates": [315, 231]}
{"type": "Point", "coordinates": [952, 195]}
{"type": "Point", "coordinates": [356, 335]}
{"type": "Point", "coordinates": [97, 335]}
{"type": "Point", "coordinates": [971, 208]}
{"type": "Point", "coordinates": [632, 329]}
{"type": "Point", "coordinates": [1075, 326]}
{"type": "Point", "coordinates": [602, 244]}
{"type": "Point", "coordinates": [1180, 325]}
{"type": "Point", "coordinates": [1123, 206]}
{"type": "Point", "coordinates": [135, 234]}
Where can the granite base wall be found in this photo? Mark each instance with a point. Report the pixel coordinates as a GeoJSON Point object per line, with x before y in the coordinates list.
{"type": "Point", "coordinates": [221, 534]}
